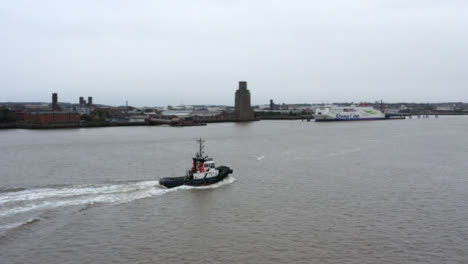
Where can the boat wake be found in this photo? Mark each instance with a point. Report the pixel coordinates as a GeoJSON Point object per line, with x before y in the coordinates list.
{"type": "Point", "coordinates": [17, 202]}
{"type": "Point", "coordinates": [227, 180]}
{"type": "Point", "coordinates": [22, 204]}
{"type": "Point", "coordinates": [19, 224]}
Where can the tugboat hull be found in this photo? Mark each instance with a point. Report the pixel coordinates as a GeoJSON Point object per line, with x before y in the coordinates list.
{"type": "Point", "coordinates": [171, 182]}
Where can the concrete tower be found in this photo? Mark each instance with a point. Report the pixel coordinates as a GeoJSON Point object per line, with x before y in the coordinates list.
{"type": "Point", "coordinates": [243, 109]}
{"type": "Point", "coordinates": [90, 101]}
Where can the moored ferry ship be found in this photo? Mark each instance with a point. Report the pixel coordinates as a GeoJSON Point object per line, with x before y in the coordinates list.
{"type": "Point", "coordinates": [348, 113]}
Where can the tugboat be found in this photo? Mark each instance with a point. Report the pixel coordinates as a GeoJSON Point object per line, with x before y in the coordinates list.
{"type": "Point", "coordinates": [203, 172]}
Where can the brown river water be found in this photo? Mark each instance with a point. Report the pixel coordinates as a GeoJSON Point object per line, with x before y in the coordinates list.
{"type": "Point", "coordinates": [301, 192]}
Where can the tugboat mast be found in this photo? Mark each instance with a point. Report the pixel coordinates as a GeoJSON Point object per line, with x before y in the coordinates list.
{"type": "Point", "coordinates": [201, 141]}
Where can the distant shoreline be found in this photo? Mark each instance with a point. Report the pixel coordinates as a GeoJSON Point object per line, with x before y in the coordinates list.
{"type": "Point", "coordinates": [120, 124]}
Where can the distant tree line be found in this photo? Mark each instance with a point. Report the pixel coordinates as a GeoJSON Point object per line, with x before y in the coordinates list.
{"type": "Point", "coordinates": [7, 116]}
{"type": "Point", "coordinates": [96, 116]}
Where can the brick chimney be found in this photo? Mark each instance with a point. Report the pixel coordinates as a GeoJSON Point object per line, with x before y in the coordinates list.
{"type": "Point", "coordinates": [55, 106]}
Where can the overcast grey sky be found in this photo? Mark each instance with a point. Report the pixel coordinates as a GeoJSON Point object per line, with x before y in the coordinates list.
{"type": "Point", "coordinates": [195, 52]}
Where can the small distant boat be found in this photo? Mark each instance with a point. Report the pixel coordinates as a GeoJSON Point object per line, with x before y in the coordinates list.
{"type": "Point", "coordinates": [203, 172]}
{"type": "Point", "coordinates": [348, 113]}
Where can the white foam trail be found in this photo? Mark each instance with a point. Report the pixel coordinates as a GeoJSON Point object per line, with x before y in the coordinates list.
{"type": "Point", "coordinates": [50, 198]}
{"type": "Point", "coordinates": [261, 157]}
{"type": "Point", "coordinates": [42, 193]}
{"type": "Point", "coordinates": [47, 198]}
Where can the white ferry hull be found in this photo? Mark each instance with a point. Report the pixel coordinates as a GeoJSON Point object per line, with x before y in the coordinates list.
{"type": "Point", "coordinates": [352, 113]}
{"type": "Point", "coordinates": [328, 118]}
